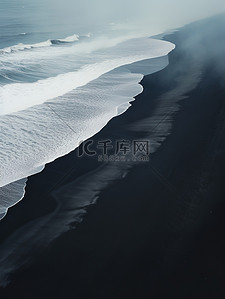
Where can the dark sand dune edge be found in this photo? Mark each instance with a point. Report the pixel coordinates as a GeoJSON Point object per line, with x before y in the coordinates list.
{"type": "Point", "coordinates": [158, 232]}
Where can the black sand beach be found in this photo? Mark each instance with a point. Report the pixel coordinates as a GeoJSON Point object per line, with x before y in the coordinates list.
{"type": "Point", "coordinates": [157, 228]}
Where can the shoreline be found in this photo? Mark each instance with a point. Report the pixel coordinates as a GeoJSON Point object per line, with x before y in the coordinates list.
{"type": "Point", "coordinates": [158, 231]}
{"type": "Point", "coordinates": [94, 104]}
{"type": "Point", "coordinates": [127, 86]}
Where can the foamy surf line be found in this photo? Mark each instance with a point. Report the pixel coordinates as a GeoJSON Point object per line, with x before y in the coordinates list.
{"type": "Point", "coordinates": [47, 43]}
{"type": "Point", "coordinates": [20, 96]}
{"type": "Point", "coordinates": [86, 109]}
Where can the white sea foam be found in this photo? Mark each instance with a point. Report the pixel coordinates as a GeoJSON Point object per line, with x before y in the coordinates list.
{"type": "Point", "coordinates": [84, 101]}
{"type": "Point", "coordinates": [10, 195]}
{"type": "Point", "coordinates": [47, 43]}
{"type": "Point", "coordinates": [55, 54]}
{"type": "Point", "coordinates": [21, 47]}
{"type": "Point", "coordinates": [69, 39]}
{"type": "Point", "coordinates": [19, 96]}
{"type": "Point", "coordinates": [35, 136]}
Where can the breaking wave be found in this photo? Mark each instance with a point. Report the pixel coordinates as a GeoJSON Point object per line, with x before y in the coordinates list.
{"type": "Point", "coordinates": [47, 43]}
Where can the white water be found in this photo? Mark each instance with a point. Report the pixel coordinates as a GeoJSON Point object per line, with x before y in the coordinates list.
{"type": "Point", "coordinates": [43, 120]}
{"type": "Point", "coordinates": [47, 43]}
{"type": "Point", "coordinates": [19, 96]}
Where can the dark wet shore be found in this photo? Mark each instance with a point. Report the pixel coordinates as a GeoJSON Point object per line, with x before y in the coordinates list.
{"type": "Point", "coordinates": [157, 229]}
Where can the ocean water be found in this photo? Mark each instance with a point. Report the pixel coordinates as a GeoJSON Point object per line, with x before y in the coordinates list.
{"type": "Point", "coordinates": [60, 83]}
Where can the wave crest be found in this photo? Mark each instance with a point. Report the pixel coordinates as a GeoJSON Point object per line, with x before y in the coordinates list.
{"type": "Point", "coordinates": [47, 43]}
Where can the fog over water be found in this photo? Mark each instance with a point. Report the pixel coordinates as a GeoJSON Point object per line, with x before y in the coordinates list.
{"type": "Point", "coordinates": [142, 17]}
{"type": "Point", "coordinates": [158, 14]}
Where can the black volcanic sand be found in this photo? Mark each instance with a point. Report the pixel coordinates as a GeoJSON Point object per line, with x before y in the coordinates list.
{"type": "Point", "coordinates": [159, 232]}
